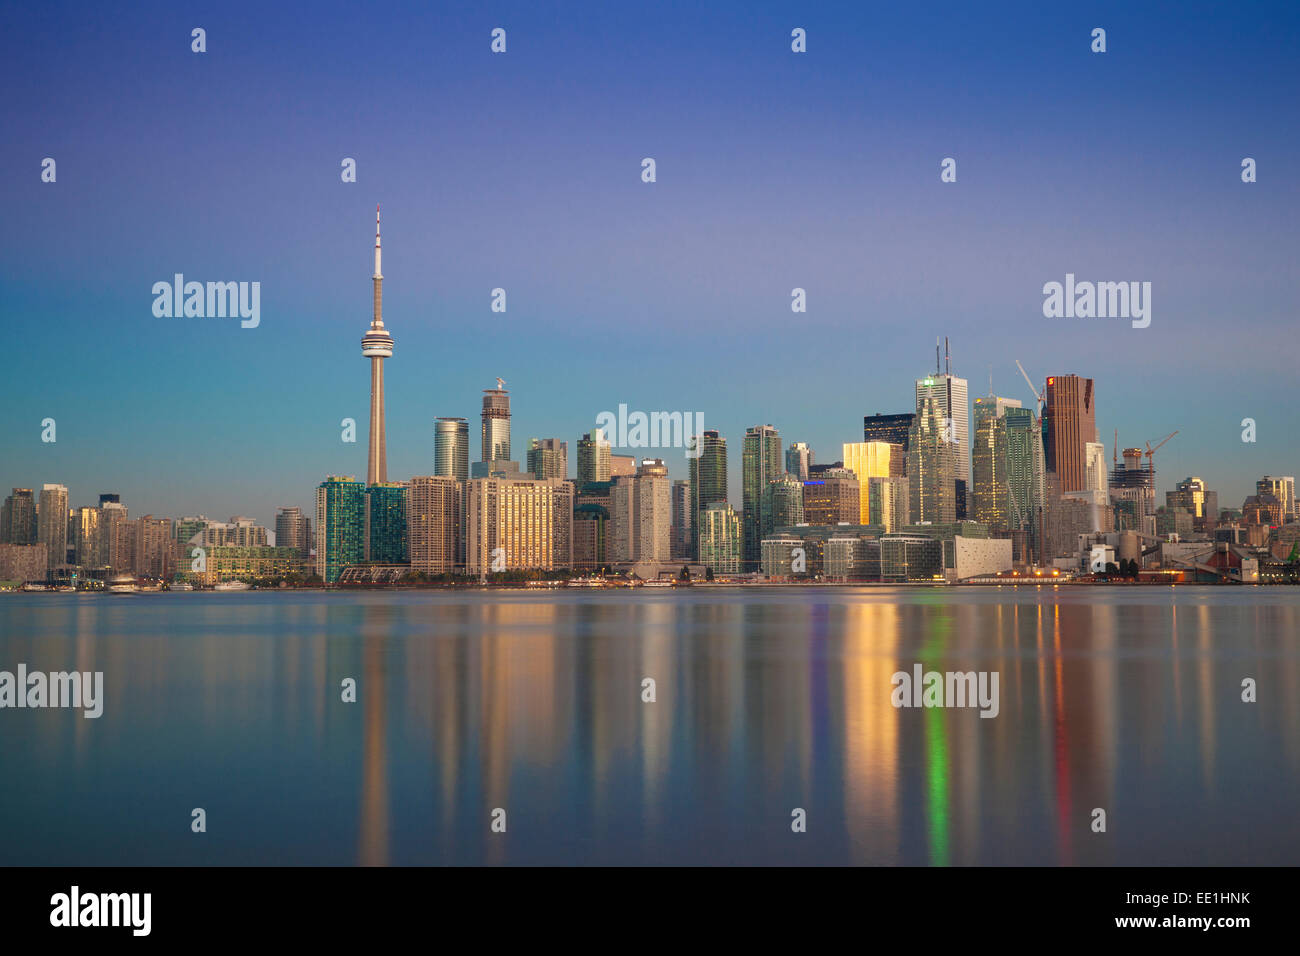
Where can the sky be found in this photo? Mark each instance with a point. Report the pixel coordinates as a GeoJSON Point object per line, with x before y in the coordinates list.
{"type": "Point", "coordinates": [522, 170]}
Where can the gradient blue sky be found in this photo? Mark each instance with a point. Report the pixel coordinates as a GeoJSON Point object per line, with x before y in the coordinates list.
{"type": "Point", "coordinates": [522, 170]}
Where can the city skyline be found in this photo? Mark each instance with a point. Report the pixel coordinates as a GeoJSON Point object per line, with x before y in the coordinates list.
{"type": "Point", "coordinates": [606, 275]}
{"type": "Point", "coordinates": [942, 393]}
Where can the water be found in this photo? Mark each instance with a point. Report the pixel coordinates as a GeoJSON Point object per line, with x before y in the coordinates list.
{"type": "Point", "coordinates": [1126, 699]}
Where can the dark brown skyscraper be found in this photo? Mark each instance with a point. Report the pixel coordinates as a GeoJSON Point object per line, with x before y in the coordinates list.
{"type": "Point", "coordinates": [1069, 423]}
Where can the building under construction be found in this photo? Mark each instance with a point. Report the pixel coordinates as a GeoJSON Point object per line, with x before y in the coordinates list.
{"type": "Point", "coordinates": [1134, 482]}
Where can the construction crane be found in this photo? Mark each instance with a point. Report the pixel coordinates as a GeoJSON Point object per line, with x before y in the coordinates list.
{"type": "Point", "coordinates": [1031, 385]}
{"type": "Point", "coordinates": [1150, 452]}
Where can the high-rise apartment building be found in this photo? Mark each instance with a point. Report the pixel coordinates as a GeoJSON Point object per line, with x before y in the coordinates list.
{"type": "Point", "coordinates": [386, 541]}
{"type": "Point", "coordinates": [293, 530]}
{"type": "Point", "coordinates": [451, 448]}
{"type": "Point", "coordinates": [682, 533]}
{"type": "Point", "coordinates": [641, 515]}
{"type": "Point", "coordinates": [720, 539]}
{"type": "Point", "coordinates": [155, 551]}
{"type": "Point", "coordinates": [434, 505]}
{"type": "Point", "coordinates": [18, 520]}
{"type": "Point", "coordinates": [495, 432]}
{"type": "Point", "coordinates": [341, 537]}
{"type": "Point", "coordinates": [782, 504]}
{"type": "Point", "coordinates": [798, 459]}
{"type": "Point", "coordinates": [593, 457]}
{"type": "Point", "coordinates": [548, 458]}
{"type": "Point", "coordinates": [84, 532]}
{"type": "Point", "coordinates": [760, 463]}
{"type": "Point", "coordinates": [52, 523]}
{"type": "Point", "coordinates": [708, 475]}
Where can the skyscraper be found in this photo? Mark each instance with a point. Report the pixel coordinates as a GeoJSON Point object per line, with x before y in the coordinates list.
{"type": "Point", "coordinates": [641, 515]}
{"type": "Point", "coordinates": [52, 524]}
{"type": "Point", "coordinates": [548, 458]}
{"type": "Point", "coordinates": [683, 523]}
{"type": "Point", "coordinates": [950, 393]}
{"type": "Point", "coordinates": [931, 462]}
{"type": "Point", "coordinates": [992, 406]}
{"type": "Point", "coordinates": [340, 526]}
{"type": "Point", "coordinates": [760, 463]}
{"type": "Point", "coordinates": [593, 457]}
{"type": "Point", "coordinates": [1069, 424]}
{"type": "Point", "coordinates": [451, 448]}
{"type": "Point", "coordinates": [386, 541]}
{"type": "Point", "coordinates": [495, 433]}
{"type": "Point", "coordinates": [990, 493]}
{"type": "Point", "coordinates": [517, 523]}
{"type": "Point", "coordinates": [18, 520]}
{"type": "Point", "coordinates": [293, 530]}
{"type": "Point", "coordinates": [434, 506]}
{"type": "Point", "coordinates": [708, 471]}
{"type": "Point", "coordinates": [893, 429]}
{"type": "Point", "coordinates": [720, 538]}
{"type": "Point", "coordinates": [1281, 488]}
{"type": "Point", "coordinates": [782, 505]}
{"type": "Point", "coordinates": [872, 459]}
{"type": "Point", "coordinates": [889, 500]}
{"type": "Point", "coordinates": [377, 345]}
{"type": "Point", "coordinates": [798, 459]}
{"type": "Point", "coordinates": [1025, 475]}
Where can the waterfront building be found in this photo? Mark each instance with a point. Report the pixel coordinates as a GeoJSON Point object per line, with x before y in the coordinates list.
{"type": "Point", "coordinates": [720, 538]}
{"type": "Point", "coordinates": [52, 524]}
{"type": "Point", "coordinates": [341, 537]}
{"type": "Point", "coordinates": [518, 524]}
{"type": "Point", "coordinates": [708, 477]}
{"type": "Point", "coordinates": [760, 463]}
{"type": "Point", "coordinates": [641, 516]}
{"type": "Point", "coordinates": [434, 512]}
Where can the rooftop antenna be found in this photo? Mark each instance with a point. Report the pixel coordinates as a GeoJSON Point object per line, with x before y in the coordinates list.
{"type": "Point", "coordinates": [936, 355]}
{"type": "Point", "coordinates": [947, 365]}
{"type": "Point", "coordinates": [501, 383]}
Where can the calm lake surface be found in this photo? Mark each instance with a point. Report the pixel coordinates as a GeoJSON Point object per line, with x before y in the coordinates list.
{"type": "Point", "coordinates": [1127, 699]}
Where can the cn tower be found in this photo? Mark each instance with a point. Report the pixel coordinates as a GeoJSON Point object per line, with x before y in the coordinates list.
{"type": "Point", "coordinates": [377, 345]}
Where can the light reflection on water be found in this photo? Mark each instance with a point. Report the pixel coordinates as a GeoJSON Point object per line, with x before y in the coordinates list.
{"type": "Point", "coordinates": [767, 700]}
